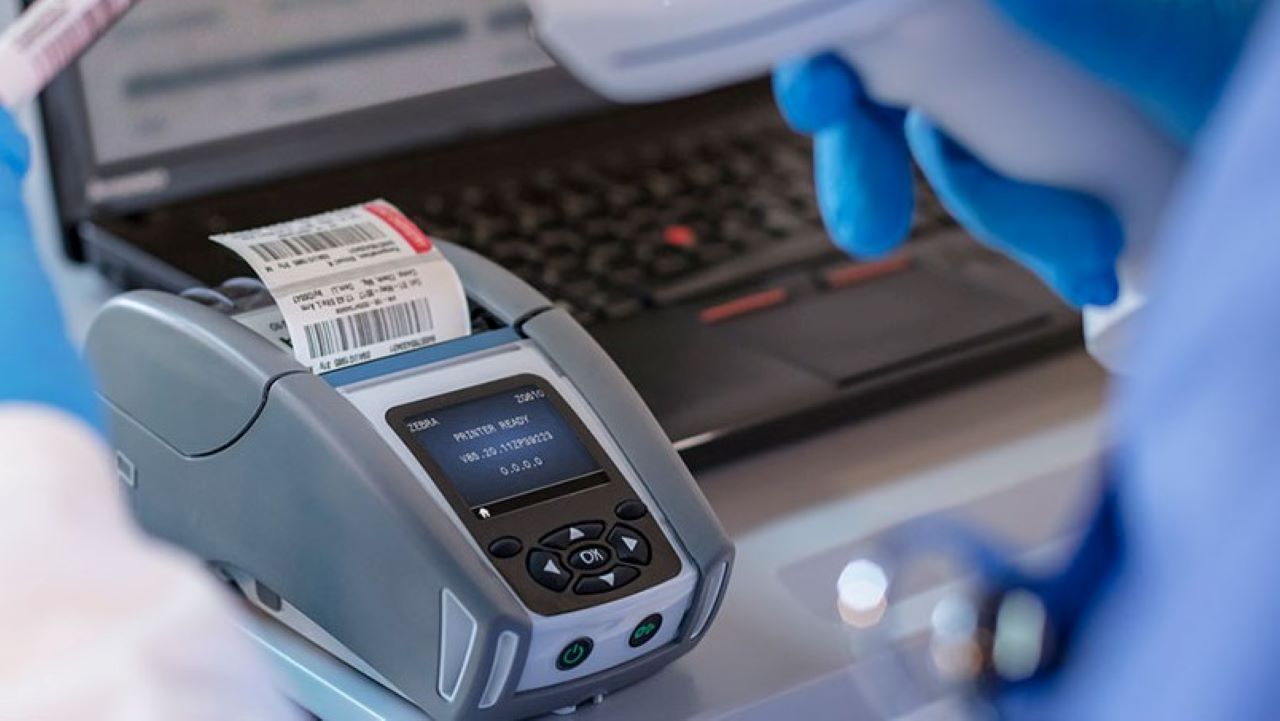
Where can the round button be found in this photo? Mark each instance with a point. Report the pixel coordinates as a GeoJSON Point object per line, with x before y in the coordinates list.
{"type": "Point", "coordinates": [589, 558]}
{"type": "Point", "coordinates": [506, 547]}
{"type": "Point", "coordinates": [631, 510]}
{"type": "Point", "coordinates": [574, 654]}
{"type": "Point", "coordinates": [645, 631]}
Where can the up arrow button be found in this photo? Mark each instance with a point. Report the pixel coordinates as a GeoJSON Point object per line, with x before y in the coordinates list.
{"type": "Point", "coordinates": [571, 535]}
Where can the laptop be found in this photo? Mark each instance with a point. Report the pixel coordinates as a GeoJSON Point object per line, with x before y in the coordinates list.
{"type": "Point", "coordinates": [684, 235]}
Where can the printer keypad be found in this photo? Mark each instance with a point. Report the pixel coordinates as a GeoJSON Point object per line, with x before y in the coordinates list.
{"type": "Point", "coordinates": [583, 551]}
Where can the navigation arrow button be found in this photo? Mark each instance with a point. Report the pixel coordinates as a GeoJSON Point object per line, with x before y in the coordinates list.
{"type": "Point", "coordinates": [630, 546]}
{"type": "Point", "coordinates": [570, 535]}
{"type": "Point", "coordinates": [616, 578]}
{"type": "Point", "coordinates": [545, 568]}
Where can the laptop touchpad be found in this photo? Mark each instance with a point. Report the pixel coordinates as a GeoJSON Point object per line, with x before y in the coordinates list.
{"type": "Point", "coordinates": [882, 324]}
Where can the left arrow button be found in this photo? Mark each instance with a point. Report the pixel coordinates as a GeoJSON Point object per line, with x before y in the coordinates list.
{"type": "Point", "coordinates": [547, 570]}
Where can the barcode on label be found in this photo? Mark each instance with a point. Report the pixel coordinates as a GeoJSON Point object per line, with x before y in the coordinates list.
{"type": "Point", "coordinates": [317, 242]}
{"type": "Point", "coordinates": [54, 54]}
{"type": "Point", "coordinates": [360, 330]}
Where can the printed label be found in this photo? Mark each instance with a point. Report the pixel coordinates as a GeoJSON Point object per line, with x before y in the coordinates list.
{"type": "Point", "coordinates": [353, 286]}
{"type": "Point", "coordinates": [46, 39]}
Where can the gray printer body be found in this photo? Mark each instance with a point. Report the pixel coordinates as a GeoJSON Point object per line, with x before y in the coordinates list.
{"type": "Point", "coordinates": [303, 491]}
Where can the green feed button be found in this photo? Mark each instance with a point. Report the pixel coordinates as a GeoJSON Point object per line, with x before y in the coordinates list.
{"type": "Point", "coordinates": [645, 631]}
{"type": "Point", "coordinates": [574, 654]}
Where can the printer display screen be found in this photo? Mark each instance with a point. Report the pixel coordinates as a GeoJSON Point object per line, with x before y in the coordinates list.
{"type": "Point", "coordinates": [506, 449]}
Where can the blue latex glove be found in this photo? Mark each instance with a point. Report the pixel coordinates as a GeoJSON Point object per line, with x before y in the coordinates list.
{"type": "Point", "coordinates": [1172, 57]}
{"type": "Point", "coordinates": [39, 363]}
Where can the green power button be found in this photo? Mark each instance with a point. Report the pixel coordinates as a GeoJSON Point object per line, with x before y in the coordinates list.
{"type": "Point", "coordinates": [574, 654]}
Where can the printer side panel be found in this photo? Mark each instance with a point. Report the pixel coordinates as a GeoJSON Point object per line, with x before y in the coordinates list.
{"type": "Point", "coordinates": [363, 551]}
{"type": "Point", "coordinates": [213, 371]}
{"type": "Point", "coordinates": [305, 494]}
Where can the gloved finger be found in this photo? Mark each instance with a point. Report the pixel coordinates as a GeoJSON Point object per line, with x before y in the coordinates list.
{"type": "Point", "coordinates": [865, 184]}
{"type": "Point", "coordinates": [1071, 240]}
{"type": "Point", "coordinates": [863, 167]}
{"type": "Point", "coordinates": [816, 93]}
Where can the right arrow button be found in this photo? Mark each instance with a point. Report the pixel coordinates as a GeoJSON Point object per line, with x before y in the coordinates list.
{"type": "Point", "coordinates": [629, 545]}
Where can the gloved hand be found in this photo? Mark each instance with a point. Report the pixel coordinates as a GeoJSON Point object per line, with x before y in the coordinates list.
{"type": "Point", "coordinates": [1173, 58]}
{"type": "Point", "coordinates": [106, 623]}
{"type": "Point", "coordinates": [39, 364]}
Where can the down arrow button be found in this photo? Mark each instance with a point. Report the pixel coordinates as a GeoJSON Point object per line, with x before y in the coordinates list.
{"type": "Point", "coordinates": [616, 578]}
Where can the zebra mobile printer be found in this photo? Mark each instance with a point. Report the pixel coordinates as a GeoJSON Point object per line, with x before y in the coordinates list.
{"type": "Point", "coordinates": [492, 527]}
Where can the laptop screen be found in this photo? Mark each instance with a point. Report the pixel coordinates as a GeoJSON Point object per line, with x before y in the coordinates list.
{"type": "Point", "coordinates": [181, 73]}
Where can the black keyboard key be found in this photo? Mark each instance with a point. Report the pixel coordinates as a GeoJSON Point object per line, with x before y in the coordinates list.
{"type": "Point", "coordinates": [511, 250]}
{"type": "Point", "coordinates": [623, 308]}
{"type": "Point", "coordinates": [580, 289]}
{"type": "Point", "coordinates": [604, 259]}
{"type": "Point", "coordinates": [622, 196]}
{"type": "Point", "coordinates": [712, 253]}
{"type": "Point", "coordinates": [662, 186]}
{"type": "Point", "coordinates": [583, 316]}
{"type": "Point", "coordinates": [575, 207]}
{"type": "Point", "coordinates": [551, 279]}
{"type": "Point", "coordinates": [670, 265]}
{"type": "Point", "coordinates": [631, 276]}
{"type": "Point", "coordinates": [530, 217]}
{"type": "Point", "coordinates": [607, 302]}
{"type": "Point", "coordinates": [704, 175]}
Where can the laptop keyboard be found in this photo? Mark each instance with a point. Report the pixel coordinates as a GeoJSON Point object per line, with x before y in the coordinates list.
{"type": "Point", "coordinates": [654, 225]}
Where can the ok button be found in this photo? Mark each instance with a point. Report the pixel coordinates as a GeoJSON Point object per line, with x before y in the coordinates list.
{"type": "Point", "coordinates": [589, 558]}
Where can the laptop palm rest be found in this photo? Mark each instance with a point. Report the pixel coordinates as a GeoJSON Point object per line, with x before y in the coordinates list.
{"type": "Point", "coordinates": [881, 325]}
